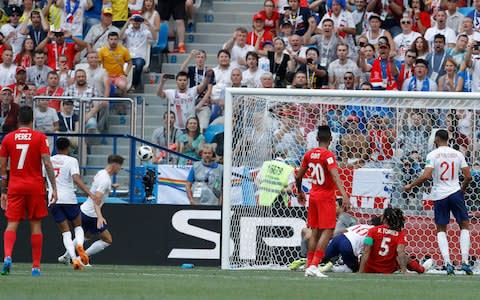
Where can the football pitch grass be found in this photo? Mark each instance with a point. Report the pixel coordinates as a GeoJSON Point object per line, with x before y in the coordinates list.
{"type": "Point", "coordinates": [151, 282]}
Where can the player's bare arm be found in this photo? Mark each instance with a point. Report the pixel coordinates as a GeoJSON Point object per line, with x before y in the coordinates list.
{"type": "Point", "coordinates": [426, 175]}
{"type": "Point", "coordinates": [4, 187]}
{"type": "Point", "coordinates": [467, 178]}
{"type": "Point", "coordinates": [51, 177]}
{"type": "Point", "coordinates": [298, 183]}
{"type": "Point", "coordinates": [364, 259]}
{"type": "Point", "coordinates": [402, 258]}
{"type": "Point", "coordinates": [79, 182]}
{"type": "Point", "coordinates": [339, 184]}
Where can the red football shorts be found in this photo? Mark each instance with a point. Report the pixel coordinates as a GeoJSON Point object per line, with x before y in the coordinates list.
{"type": "Point", "coordinates": [322, 211]}
{"type": "Point", "coordinates": [29, 207]}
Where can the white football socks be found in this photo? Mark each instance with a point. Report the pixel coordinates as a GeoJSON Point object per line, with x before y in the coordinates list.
{"type": "Point", "coordinates": [96, 247]}
{"type": "Point", "coordinates": [465, 244]}
{"type": "Point", "coordinates": [443, 245]}
{"type": "Point", "coordinates": [79, 235]}
{"type": "Point", "coordinates": [68, 243]}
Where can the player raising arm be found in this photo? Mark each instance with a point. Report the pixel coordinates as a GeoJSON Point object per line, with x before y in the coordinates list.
{"type": "Point", "coordinates": [444, 165]}
{"type": "Point", "coordinates": [321, 208]}
{"type": "Point", "coordinates": [384, 245]}
{"type": "Point", "coordinates": [24, 197]}
{"type": "Point", "coordinates": [67, 209]}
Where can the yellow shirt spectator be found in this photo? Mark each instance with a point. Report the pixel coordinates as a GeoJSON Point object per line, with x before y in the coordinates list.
{"type": "Point", "coordinates": [120, 10]}
{"type": "Point", "coordinates": [114, 60]}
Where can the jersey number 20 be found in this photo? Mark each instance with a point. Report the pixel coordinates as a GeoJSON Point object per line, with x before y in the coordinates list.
{"type": "Point", "coordinates": [318, 175]}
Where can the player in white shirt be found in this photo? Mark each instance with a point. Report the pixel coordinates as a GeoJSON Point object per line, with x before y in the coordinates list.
{"type": "Point", "coordinates": [444, 165]}
{"type": "Point", "coordinates": [93, 221]}
{"type": "Point", "coordinates": [67, 209]}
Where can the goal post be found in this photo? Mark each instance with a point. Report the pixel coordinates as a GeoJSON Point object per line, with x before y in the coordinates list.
{"type": "Point", "coordinates": [380, 139]}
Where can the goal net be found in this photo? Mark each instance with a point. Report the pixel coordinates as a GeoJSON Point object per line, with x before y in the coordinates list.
{"type": "Point", "coordinates": [380, 140]}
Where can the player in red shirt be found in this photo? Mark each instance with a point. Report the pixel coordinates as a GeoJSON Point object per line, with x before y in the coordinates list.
{"type": "Point", "coordinates": [322, 165]}
{"type": "Point", "coordinates": [384, 246]}
{"type": "Point", "coordinates": [24, 197]}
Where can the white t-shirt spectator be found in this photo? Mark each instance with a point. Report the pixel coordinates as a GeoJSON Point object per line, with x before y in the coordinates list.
{"type": "Point", "coordinates": [337, 70]}
{"type": "Point", "coordinates": [450, 36]}
{"type": "Point", "coordinates": [137, 41]}
{"type": "Point", "coordinates": [238, 52]}
{"type": "Point", "coordinates": [222, 80]}
{"type": "Point", "coordinates": [72, 17]}
{"type": "Point", "coordinates": [7, 74]}
{"type": "Point", "coordinates": [17, 40]}
{"type": "Point", "coordinates": [44, 119]}
{"type": "Point", "coordinates": [252, 79]}
{"type": "Point", "coordinates": [403, 42]}
{"type": "Point", "coordinates": [182, 104]}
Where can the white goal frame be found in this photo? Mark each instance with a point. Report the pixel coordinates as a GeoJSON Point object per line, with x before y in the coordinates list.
{"type": "Point", "coordinates": [401, 99]}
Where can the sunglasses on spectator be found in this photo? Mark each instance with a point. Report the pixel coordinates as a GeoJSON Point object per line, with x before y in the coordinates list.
{"type": "Point", "coordinates": [406, 22]}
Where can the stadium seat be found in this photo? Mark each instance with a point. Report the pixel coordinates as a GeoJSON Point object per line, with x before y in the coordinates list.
{"type": "Point", "coordinates": [211, 131]}
{"type": "Point", "coordinates": [158, 49]}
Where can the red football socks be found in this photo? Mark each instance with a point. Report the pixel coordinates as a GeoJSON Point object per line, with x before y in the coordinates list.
{"type": "Point", "coordinates": [9, 238]}
{"type": "Point", "coordinates": [319, 254]}
{"type": "Point", "coordinates": [36, 240]}
{"type": "Point", "coordinates": [309, 258]}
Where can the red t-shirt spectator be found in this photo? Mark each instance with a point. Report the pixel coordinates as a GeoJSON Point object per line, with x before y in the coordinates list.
{"type": "Point", "coordinates": [67, 49]}
{"type": "Point", "coordinates": [10, 116]}
{"type": "Point", "coordinates": [48, 91]}
{"type": "Point", "coordinates": [252, 38]}
{"type": "Point", "coordinates": [270, 22]}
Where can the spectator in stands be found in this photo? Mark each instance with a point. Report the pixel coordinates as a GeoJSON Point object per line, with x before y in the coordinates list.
{"type": "Point", "coordinates": [279, 63]}
{"type": "Point", "coordinates": [420, 81]}
{"type": "Point", "coordinates": [343, 22]}
{"type": "Point", "coordinates": [381, 138]}
{"type": "Point", "coordinates": [73, 12]}
{"type": "Point", "coordinates": [271, 17]}
{"type": "Point", "coordinates": [236, 77]}
{"type": "Point", "coordinates": [266, 80]}
{"type": "Point", "coordinates": [57, 44]}
{"type": "Point", "coordinates": [25, 57]}
{"type": "Point", "coordinates": [420, 45]}
{"type": "Point", "coordinates": [169, 8]}
{"type": "Point", "coordinates": [436, 59]}
{"type": "Point", "coordinates": [97, 76]}
{"type": "Point", "coordinates": [196, 75]}
{"type": "Point", "coordinates": [113, 57]}
{"type": "Point", "coordinates": [458, 52]}
{"type": "Point", "coordinates": [52, 89]}
{"type": "Point", "coordinates": [65, 74]}
{"type": "Point", "coordinates": [464, 79]}
{"type": "Point", "coordinates": [286, 31]}
{"type": "Point", "coordinates": [182, 99]}
{"type": "Point", "coordinates": [53, 12]}
{"type": "Point", "coordinates": [81, 89]}
{"type": "Point", "coordinates": [38, 73]}
{"type": "Point", "coordinates": [222, 74]}
{"type": "Point", "coordinates": [419, 14]}
{"type": "Point", "coordinates": [119, 11]}
{"type": "Point", "coordinates": [205, 180]}
{"type": "Point", "coordinates": [166, 136]}
{"type": "Point", "coordinates": [26, 6]}
{"type": "Point", "coordinates": [97, 36]}
{"type": "Point", "coordinates": [354, 144]}
{"type": "Point", "coordinates": [474, 14]}
{"type": "Point", "coordinates": [68, 120]}
{"type": "Point", "coordinates": [151, 14]}
{"type": "Point", "coordinates": [46, 118]}
{"type": "Point", "coordinates": [92, 16]}
{"type": "Point", "coordinates": [440, 28]}
{"type": "Point", "coordinates": [297, 16]}
{"type": "Point", "coordinates": [404, 40]}
{"type": "Point", "coordinates": [189, 143]}
{"type": "Point", "coordinates": [415, 130]}
{"type": "Point", "coordinates": [468, 29]}
{"type": "Point", "coordinates": [326, 42]}
{"type": "Point", "coordinates": [289, 135]}
{"type": "Point", "coordinates": [12, 31]}
{"type": "Point", "coordinates": [384, 71]}
{"type": "Point", "coordinates": [374, 33]}
{"type": "Point", "coordinates": [365, 60]}
{"type": "Point", "coordinates": [406, 69]}
{"type": "Point", "coordinates": [251, 76]}
{"type": "Point", "coordinates": [449, 81]}
{"type": "Point", "coordinates": [8, 110]}
{"type": "Point", "coordinates": [3, 45]}
{"type": "Point", "coordinates": [138, 34]}
{"type": "Point", "coordinates": [317, 76]}
{"type": "Point", "coordinates": [341, 65]}
{"type": "Point", "coordinates": [135, 7]}
{"type": "Point", "coordinates": [20, 86]}
{"type": "Point", "coordinates": [390, 11]}
{"type": "Point", "coordinates": [259, 35]}
{"type": "Point", "coordinates": [38, 29]}
{"type": "Point", "coordinates": [238, 48]}
{"type": "Point", "coordinates": [7, 68]}
{"type": "Point", "coordinates": [348, 79]}
{"type": "Point", "coordinates": [360, 16]}
{"type": "Point", "coordinates": [296, 50]}
{"type": "Point", "coordinates": [299, 80]}
{"type": "Point", "coordinates": [454, 17]}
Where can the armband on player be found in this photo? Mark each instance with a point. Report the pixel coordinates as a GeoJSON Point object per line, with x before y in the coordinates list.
{"type": "Point", "coordinates": [368, 241]}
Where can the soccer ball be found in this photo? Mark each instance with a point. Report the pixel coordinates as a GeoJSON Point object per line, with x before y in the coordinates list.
{"type": "Point", "coordinates": [145, 153]}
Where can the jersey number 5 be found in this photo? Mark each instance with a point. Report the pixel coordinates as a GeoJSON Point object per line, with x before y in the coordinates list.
{"type": "Point", "coordinates": [318, 175]}
{"type": "Point", "coordinates": [384, 247]}
{"type": "Point", "coordinates": [23, 154]}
